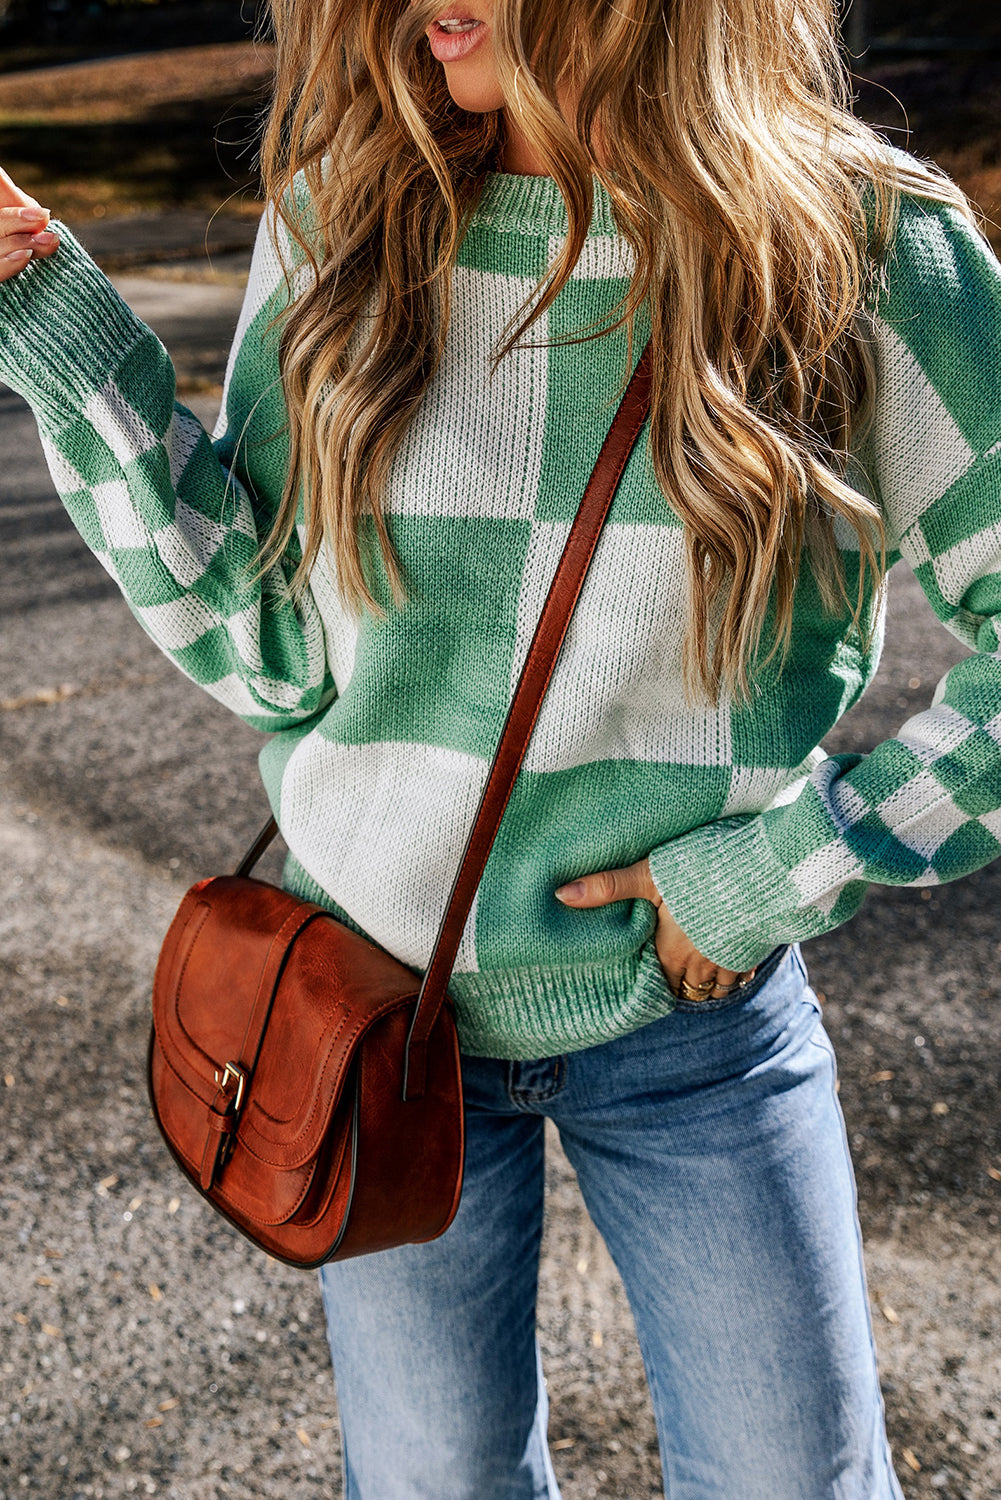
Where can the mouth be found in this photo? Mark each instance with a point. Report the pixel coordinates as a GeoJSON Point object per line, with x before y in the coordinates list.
{"type": "Point", "coordinates": [454, 36]}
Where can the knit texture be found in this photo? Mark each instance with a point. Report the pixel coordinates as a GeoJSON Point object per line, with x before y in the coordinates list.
{"type": "Point", "coordinates": [384, 729]}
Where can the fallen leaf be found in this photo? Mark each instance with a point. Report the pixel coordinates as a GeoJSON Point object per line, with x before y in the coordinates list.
{"type": "Point", "coordinates": [107, 1182]}
{"type": "Point", "coordinates": [911, 1460]}
{"type": "Point", "coordinates": [303, 1436]}
{"type": "Point", "coordinates": [596, 1338]}
{"type": "Point", "coordinates": [993, 1172]}
{"type": "Point", "coordinates": [888, 1313]}
{"type": "Point", "coordinates": [582, 1266]}
{"type": "Point", "coordinates": [883, 1076]}
{"type": "Point", "coordinates": [153, 1422]}
{"type": "Point", "coordinates": [173, 1205]}
{"type": "Point", "coordinates": [62, 1000]}
{"type": "Point", "coordinates": [39, 697]}
{"type": "Point", "coordinates": [940, 1107]}
{"type": "Point", "coordinates": [44, 1281]}
{"type": "Point", "coordinates": [562, 1444]}
{"type": "Point", "coordinates": [21, 1318]}
{"type": "Point", "coordinates": [51, 1254]}
{"type": "Point", "coordinates": [8, 1079]}
{"type": "Point", "coordinates": [169, 1404]}
{"type": "Point", "coordinates": [134, 1204]}
{"type": "Point", "coordinates": [155, 1292]}
{"type": "Point", "coordinates": [53, 1333]}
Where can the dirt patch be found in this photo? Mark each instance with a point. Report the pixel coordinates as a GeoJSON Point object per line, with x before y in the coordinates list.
{"type": "Point", "coordinates": [124, 88]}
{"type": "Point", "coordinates": [167, 129]}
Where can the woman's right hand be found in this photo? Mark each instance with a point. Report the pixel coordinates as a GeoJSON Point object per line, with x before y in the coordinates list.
{"type": "Point", "coordinates": [23, 232]}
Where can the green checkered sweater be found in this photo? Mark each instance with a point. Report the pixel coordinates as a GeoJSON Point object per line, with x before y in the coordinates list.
{"type": "Point", "coordinates": [382, 731]}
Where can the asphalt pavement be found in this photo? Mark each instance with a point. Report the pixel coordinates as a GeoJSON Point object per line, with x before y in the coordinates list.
{"type": "Point", "coordinates": [147, 1349]}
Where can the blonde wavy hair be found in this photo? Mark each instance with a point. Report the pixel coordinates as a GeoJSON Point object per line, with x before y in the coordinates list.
{"type": "Point", "coordinates": [756, 206]}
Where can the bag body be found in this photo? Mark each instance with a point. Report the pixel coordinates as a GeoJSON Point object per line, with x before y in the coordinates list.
{"type": "Point", "coordinates": [275, 1064]}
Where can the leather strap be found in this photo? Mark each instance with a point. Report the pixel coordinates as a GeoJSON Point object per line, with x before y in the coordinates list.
{"type": "Point", "coordinates": [550, 633]}
{"type": "Point", "coordinates": [257, 848]}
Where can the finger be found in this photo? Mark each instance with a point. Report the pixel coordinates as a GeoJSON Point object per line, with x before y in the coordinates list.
{"type": "Point", "coordinates": [18, 251]}
{"type": "Point", "coordinates": [610, 885]}
{"type": "Point", "coordinates": [11, 196]}
{"type": "Point", "coordinates": [682, 961]}
{"type": "Point", "coordinates": [724, 987]}
{"type": "Point", "coordinates": [44, 242]}
{"type": "Point", "coordinates": [23, 220]}
{"type": "Point", "coordinates": [13, 264]}
{"type": "Point", "coordinates": [727, 980]}
{"type": "Point", "coordinates": [699, 970]}
{"type": "Point", "coordinates": [712, 983]}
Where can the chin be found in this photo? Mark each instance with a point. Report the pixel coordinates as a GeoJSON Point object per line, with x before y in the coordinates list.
{"type": "Point", "coordinates": [469, 93]}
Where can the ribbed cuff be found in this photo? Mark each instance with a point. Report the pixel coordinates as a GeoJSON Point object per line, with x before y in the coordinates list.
{"type": "Point", "coordinates": [64, 331]}
{"type": "Point", "coordinates": [725, 889]}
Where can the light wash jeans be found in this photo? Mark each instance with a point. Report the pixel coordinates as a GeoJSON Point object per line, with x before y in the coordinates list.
{"type": "Point", "coordinates": [711, 1153]}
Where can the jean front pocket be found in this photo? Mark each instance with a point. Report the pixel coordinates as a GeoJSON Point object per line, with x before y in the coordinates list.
{"type": "Point", "coordinates": [747, 991]}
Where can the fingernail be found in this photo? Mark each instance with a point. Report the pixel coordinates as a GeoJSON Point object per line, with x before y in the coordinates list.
{"type": "Point", "coordinates": [572, 892]}
{"type": "Point", "coordinates": [34, 213]}
{"type": "Point", "coordinates": [19, 255]}
{"type": "Point", "coordinates": [45, 239]}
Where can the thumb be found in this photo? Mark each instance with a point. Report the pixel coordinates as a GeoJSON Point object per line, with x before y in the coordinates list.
{"type": "Point", "coordinates": [611, 885]}
{"type": "Point", "coordinates": [11, 196]}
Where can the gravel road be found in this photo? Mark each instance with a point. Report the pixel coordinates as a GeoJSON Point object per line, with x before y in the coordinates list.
{"type": "Point", "coordinates": [147, 1350]}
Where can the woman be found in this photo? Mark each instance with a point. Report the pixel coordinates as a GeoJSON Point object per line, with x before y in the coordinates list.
{"type": "Point", "coordinates": [825, 324]}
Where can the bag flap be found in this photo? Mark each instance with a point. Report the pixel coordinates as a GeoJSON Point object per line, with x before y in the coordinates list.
{"type": "Point", "coordinates": [326, 984]}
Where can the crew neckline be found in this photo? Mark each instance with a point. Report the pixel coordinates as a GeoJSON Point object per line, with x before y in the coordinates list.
{"type": "Point", "coordinates": [518, 204]}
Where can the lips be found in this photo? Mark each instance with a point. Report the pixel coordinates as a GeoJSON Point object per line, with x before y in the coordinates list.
{"type": "Point", "coordinates": [451, 46]}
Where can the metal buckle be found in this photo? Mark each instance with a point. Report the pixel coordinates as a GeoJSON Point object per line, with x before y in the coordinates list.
{"type": "Point", "coordinates": [232, 1071]}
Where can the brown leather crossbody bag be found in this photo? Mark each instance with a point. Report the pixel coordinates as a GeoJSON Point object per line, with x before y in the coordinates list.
{"type": "Point", "coordinates": [306, 1082]}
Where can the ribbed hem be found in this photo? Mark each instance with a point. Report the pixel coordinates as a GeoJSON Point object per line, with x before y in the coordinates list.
{"type": "Point", "coordinates": [64, 331]}
{"type": "Point", "coordinates": [516, 204]}
{"type": "Point", "coordinates": [520, 1014]}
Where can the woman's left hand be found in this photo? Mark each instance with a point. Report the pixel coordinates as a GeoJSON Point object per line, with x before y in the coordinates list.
{"type": "Point", "coordinates": [690, 975]}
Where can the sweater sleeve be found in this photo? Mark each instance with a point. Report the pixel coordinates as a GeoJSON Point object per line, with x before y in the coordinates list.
{"type": "Point", "coordinates": [924, 806]}
{"type": "Point", "coordinates": [173, 516]}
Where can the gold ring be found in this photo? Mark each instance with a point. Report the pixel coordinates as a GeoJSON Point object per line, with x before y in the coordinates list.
{"type": "Point", "coordinates": [696, 991]}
